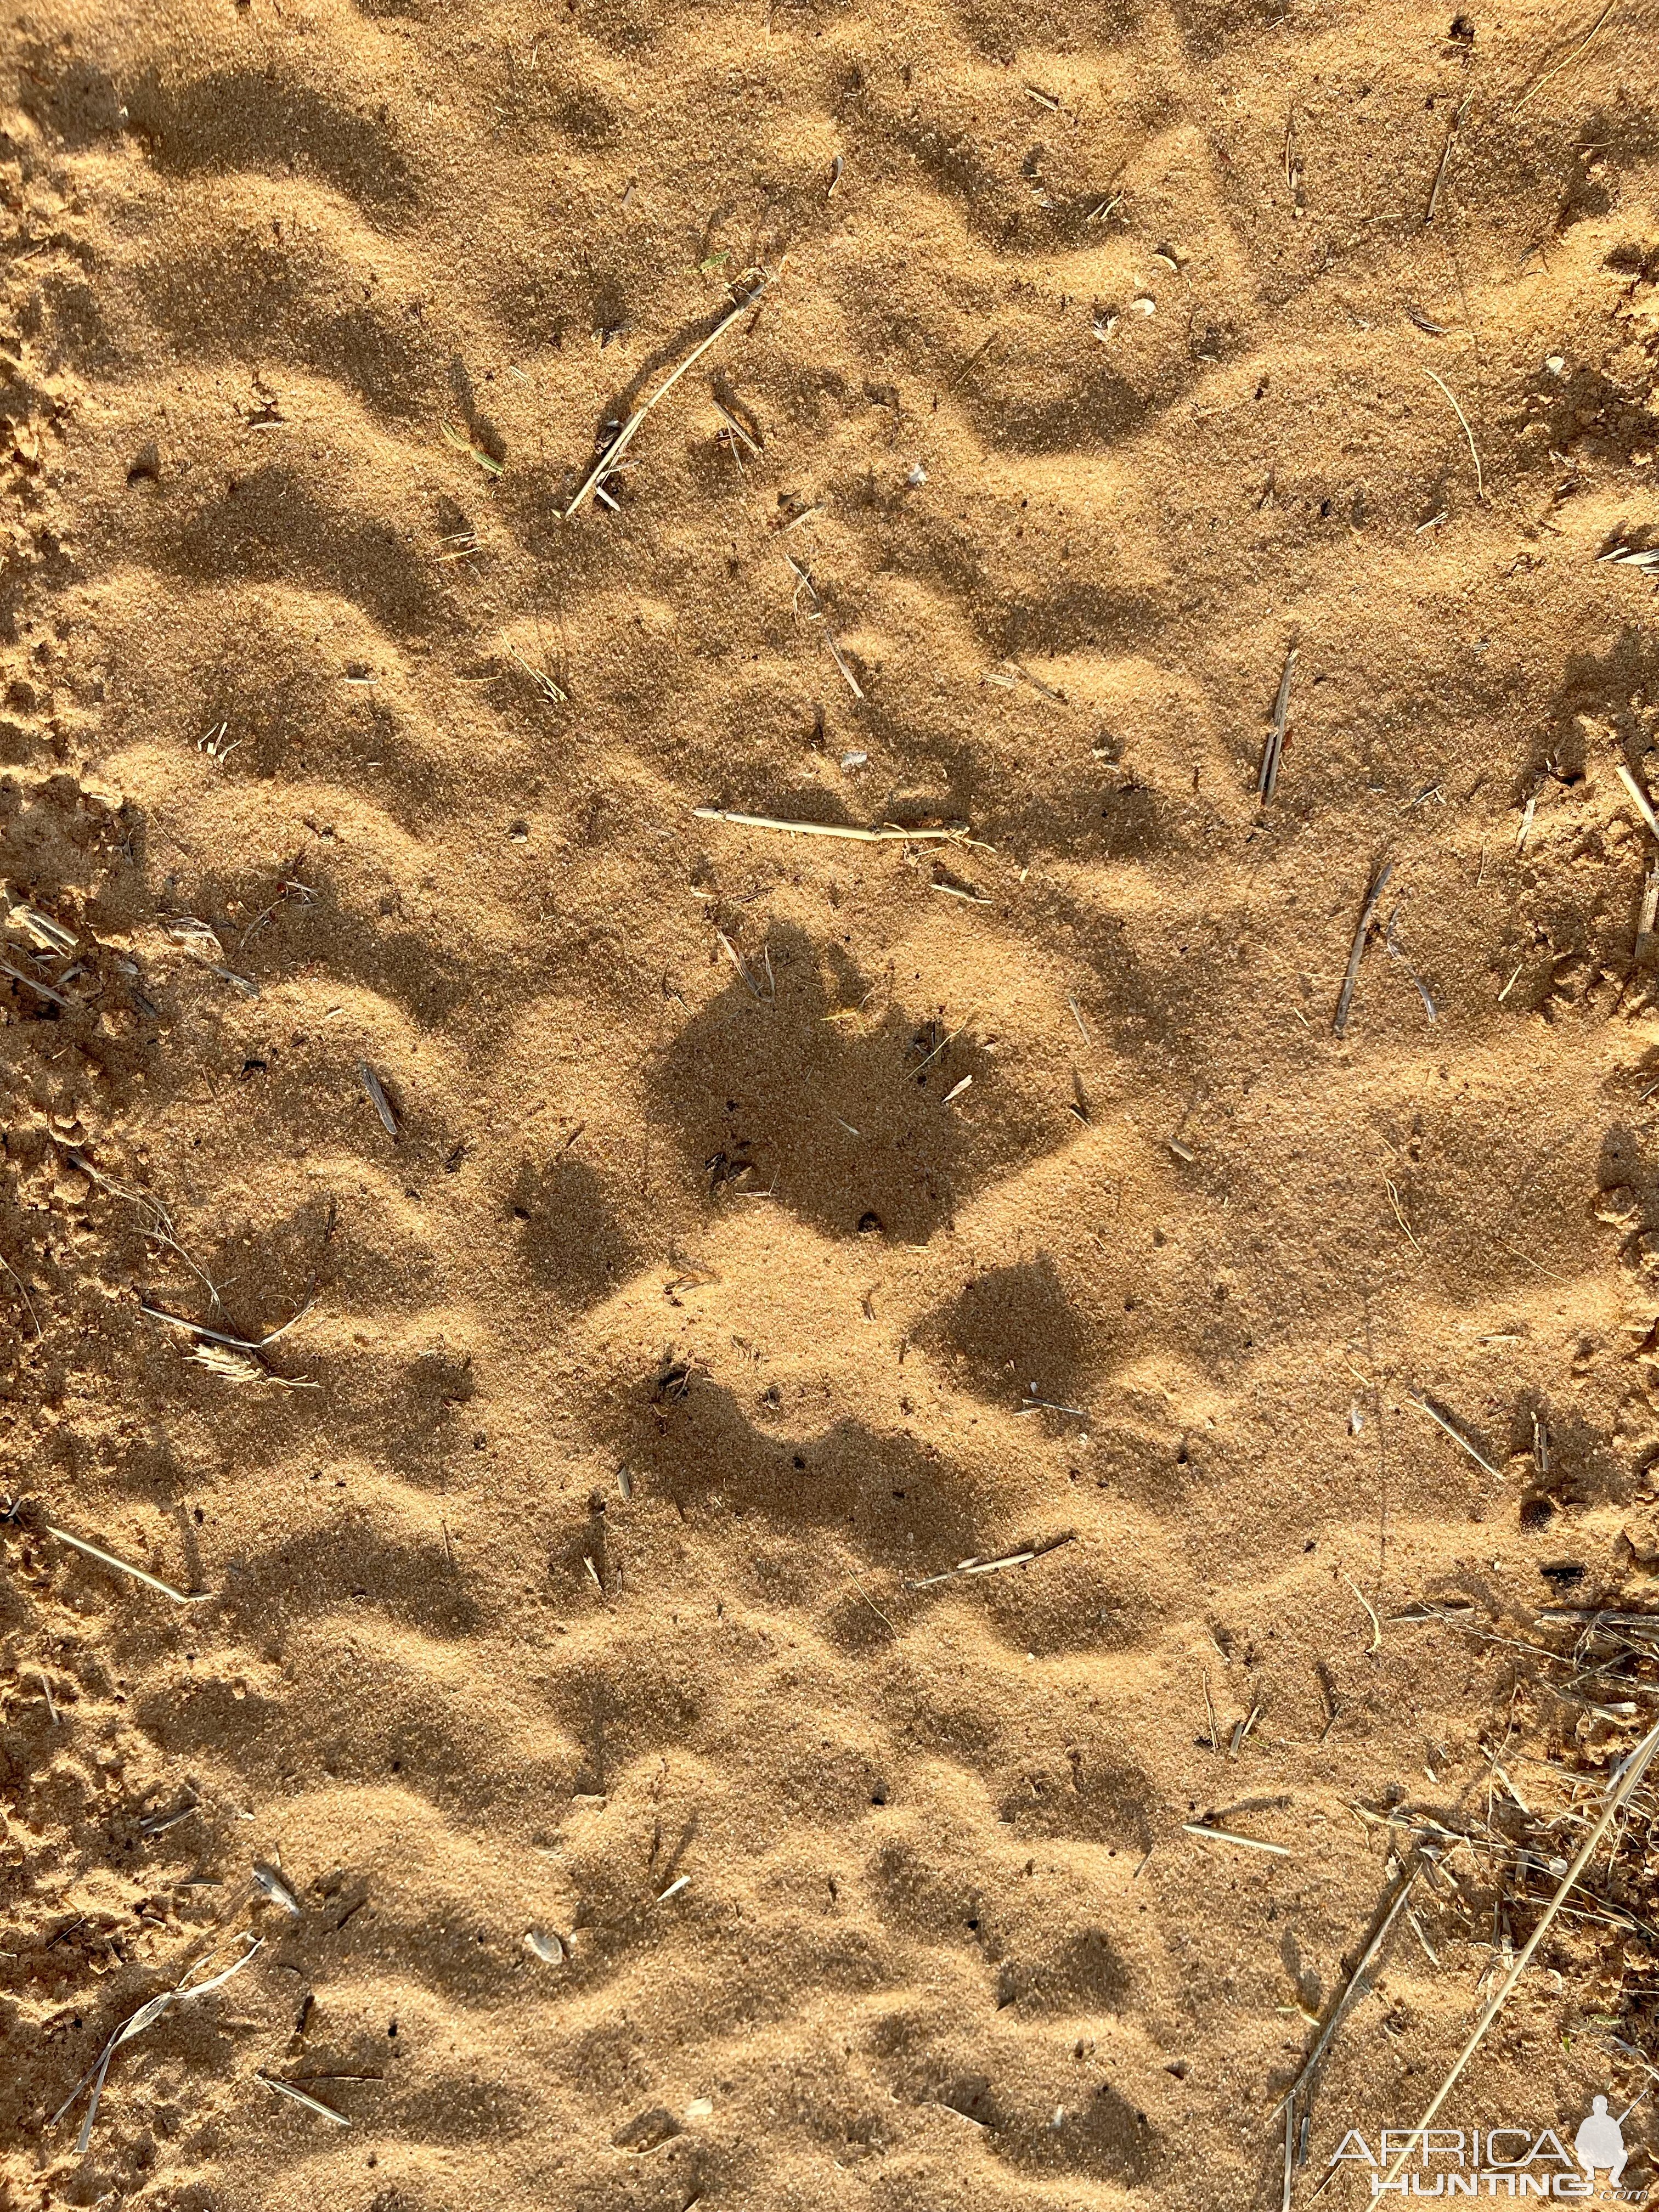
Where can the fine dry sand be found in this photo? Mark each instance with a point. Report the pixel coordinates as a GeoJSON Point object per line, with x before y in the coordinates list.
{"type": "Point", "coordinates": [746, 1189]}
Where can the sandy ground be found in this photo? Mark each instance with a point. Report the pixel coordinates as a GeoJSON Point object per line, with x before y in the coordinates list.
{"type": "Point", "coordinates": [759, 1227]}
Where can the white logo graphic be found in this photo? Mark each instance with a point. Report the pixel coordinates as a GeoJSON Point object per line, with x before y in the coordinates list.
{"type": "Point", "coordinates": [1600, 2142]}
{"type": "Point", "coordinates": [1500, 2161]}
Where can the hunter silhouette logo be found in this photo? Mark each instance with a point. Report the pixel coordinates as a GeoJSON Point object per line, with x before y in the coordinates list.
{"type": "Point", "coordinates": [1500, 2161]}
{"type": "Point", "coordinates": [1601, 2141]}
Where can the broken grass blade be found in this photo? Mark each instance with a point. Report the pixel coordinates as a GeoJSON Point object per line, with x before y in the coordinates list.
{"type": "Point", "coordinates": [269, 1880]}
{"type": "Point", "coordinates": [839, 658]}
{"type": "Point", "coordinates": [123, 1567]}
{"type": "Point", "coordinates": [44, 990]}
{"type": "Point", "coordinates": [147, 2014]}
{"type": "Point", "coordinates": [994, 1567]}
{"type": "Point", "coordinates": [378, 1099]}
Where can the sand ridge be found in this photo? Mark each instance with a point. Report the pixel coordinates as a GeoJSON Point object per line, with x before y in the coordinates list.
{"type": "Point", "coordinates": [771, 1225]}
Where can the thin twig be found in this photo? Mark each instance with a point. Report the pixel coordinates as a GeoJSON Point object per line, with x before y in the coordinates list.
{"type": "Point", "coordinates": [635, 423]}
{"type": "Point", "coordinates": [1623, 1788]}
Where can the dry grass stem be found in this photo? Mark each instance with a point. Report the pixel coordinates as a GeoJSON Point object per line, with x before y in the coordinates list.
{"type": "Point", "coordinates": [1480, 477]}
{"type": "Point", "coordinates": [635, 423]}
{"type": "Point", "coordinates": [1422, 1405]}
{"type": "Point", "coordinates": [1268, 776]}
{"type": "Point", "coordinates": [1008, 673]}
{"type": "Point", "coordinates": [1645, 557]}
{"type": "Point", "coordinates": [1350, 1989]}
{"type": "Point", "coordinates": [1374, 890]}
{"type": "Point", "coordinates": [554, 696]}
{"type": "Point", "coordinates": [268, 1880]}
{"type": "Point", "coordinates": [122, 1567]}
{"type": "Point", "coordinates": [1370, 1612]}
{"type": "Point", "coordinates": [41, 990]}
{"type": "Point", "coordinates": [1400, 1215]}
{"type": "Point", "coordinates": [182, 1992]}
{"type": "Point", "coordinates": [160, 1228]}
{"type": "Point", "coordinates": [218, 1335]}
{"type": "Point", "coordinates": [966, 1567]}
{"type": "Point", "coordinates": [886, 835]}
{"type": "Point", "coordinates": [1643, 802]}
{"type": "Point", "coordinates": [232, 1367]}
{"type": "Point", "coordinates": [839, 660]}
{"type": "Point", "coordinates": [462, 444]}
{"type": "Point", "coordinates": [1566, 63]}
{"type": "Point", "coordinates": [1439, 180]}
{"type": "Point", "coordinates": [1621, 1789]}
{"type": "Point", "coordinates": [41, 931]}
{"type": "Point", "coordinates": [1226, 1835]}
{"type": "Point", "coordinates": [378, 1099]}
{"type": "Point", "coordinates": [304, 2097]}
{"type": "Point", "coordinates": [22, 1292]}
